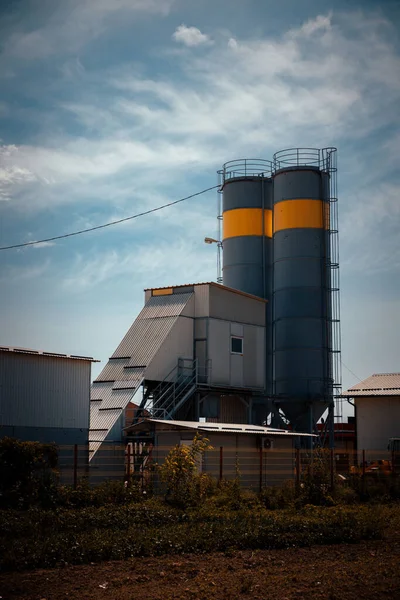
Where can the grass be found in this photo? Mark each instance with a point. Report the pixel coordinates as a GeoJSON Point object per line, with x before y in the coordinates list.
{"type": "Point", "coordinates": [38, 538]}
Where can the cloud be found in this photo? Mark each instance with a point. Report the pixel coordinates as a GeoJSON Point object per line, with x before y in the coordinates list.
{"type": "Point", "coordinates": [17, 274]}
{"type": "Point", "coordinates": [310, 27]}
{"type": "Point", "coordinates": [143, 137]}
{"type": "Point", "coordinates": [12, 175]}
{"type": "Point", "coordinates": [190, 36]}
{"type": "Point", "coordinates": [164, 264]}
{"type": "Point", "coordinates": [73, 24]}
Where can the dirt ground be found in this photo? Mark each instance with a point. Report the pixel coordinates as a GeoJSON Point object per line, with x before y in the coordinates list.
{"type": "Point", "coordinates": [369, 570]}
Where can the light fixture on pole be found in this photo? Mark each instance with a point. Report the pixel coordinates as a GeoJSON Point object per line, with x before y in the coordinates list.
{"type": "Point", "coordinates": [210, 240]}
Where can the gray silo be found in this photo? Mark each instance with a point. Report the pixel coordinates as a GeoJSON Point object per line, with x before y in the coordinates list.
{"type": "Point", "coordinates": [247, 242]}
{"type": "Point", "coordinates": [293, 264]}
{"type": "Point", "coordinates": [301, 285]}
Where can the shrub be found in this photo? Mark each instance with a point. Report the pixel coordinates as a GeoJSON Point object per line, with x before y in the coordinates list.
{"type": "Point", "coordinates": [180, 473]}
{"type": "Point", "coordinates": [275, 498]}
{"type": "Point", "coordinates": [315, 486]}
{"type": "Point", "coordinates": [108, 492]}
{"type": "Point", "coordinates": [44, 539]}
{"type": "Point", "coordinates": [27, 473]}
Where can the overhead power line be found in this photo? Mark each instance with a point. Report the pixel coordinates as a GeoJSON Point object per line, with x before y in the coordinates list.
{"type": "Point", "coordinates": [350, 371]}
{"type": "Point", "coordinates": [142, 214]}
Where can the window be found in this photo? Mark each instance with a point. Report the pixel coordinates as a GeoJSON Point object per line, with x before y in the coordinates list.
{"type": "Point", "coordinates": [236, 345]}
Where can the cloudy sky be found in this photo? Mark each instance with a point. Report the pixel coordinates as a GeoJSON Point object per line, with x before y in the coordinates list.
{"type": "Point", "coordinates": [108, 108]}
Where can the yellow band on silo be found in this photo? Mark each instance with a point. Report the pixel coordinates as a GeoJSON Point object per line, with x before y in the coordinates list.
{"type": "Point", "coordinates": [247, 221]}
{"type": "Point", "coordinates": [296, 214]}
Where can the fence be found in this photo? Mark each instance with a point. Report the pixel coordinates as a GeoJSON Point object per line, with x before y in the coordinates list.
{"type": "Point", "coordinates": [254, 468]}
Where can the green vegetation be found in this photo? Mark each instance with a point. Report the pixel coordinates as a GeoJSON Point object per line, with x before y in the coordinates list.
{"type": "Point", "coordinates": [37, 538]}
{"type": "Point", "coordinates": [43, 524]}
{"type": "Point", "coordinates": [27, 472]}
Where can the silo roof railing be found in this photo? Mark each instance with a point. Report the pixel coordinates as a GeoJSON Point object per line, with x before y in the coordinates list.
{"type": "Point", "coordinates": [304, 157]}
{"type": "Point", "coordinates": [246, 167]}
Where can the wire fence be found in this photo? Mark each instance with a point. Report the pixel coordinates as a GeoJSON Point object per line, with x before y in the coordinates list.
{"type": "Point", "coordinates": [254, 468]}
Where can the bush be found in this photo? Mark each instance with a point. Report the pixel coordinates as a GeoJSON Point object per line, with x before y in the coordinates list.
{"type": "Point", "coordinates": [45, 539]}
{"type": "Point", "coordinates": [179, 472]}
{"type": "Point", "coordinates": [108, 492]}
{"type": "Point", "coordinates": [275, 498]}
{"type": "Point", "coordinates": [27, 473]}
{"type": "Point", "coordinates": [315, 485]}
{"type": "Point", "coordinates": [375, 488]}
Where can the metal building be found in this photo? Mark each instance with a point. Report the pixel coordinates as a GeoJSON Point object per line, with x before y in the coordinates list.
{"type": "Point", "coordinates": [264, 455]}
{"type": "Point", "coordinates": [194, 351]}
{"type": "Point", "coordinates": [280, 242]}
{"type": "Point", "coordinates": [377, 410]}
{"type": "Point", "coordinates": [44, 396]}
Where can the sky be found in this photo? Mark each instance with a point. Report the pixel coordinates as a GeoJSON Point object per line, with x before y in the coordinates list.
{"type": "Point", "coordinates": [112, 108]}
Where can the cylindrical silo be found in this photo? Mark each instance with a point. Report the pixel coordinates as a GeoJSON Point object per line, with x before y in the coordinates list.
{"type": "Point", "coordinates": [301, 288]}
{"type": "Point", "coordinates": [247, 238]}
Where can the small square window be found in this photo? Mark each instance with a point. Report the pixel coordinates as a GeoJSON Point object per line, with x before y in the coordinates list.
{"type": "Point", "coordinates": [236, 345]}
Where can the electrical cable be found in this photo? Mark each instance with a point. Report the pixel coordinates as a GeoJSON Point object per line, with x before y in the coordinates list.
{"type": "Point", "coordinates": [350, 371]}
{"type": "Point", "coordinates": [142, 214]}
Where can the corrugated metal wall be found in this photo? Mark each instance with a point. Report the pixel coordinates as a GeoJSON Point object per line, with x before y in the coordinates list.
{"type": "Point", "coordinates": [202, 299]}
{"type": "Point", "coordinates": [38, 391]}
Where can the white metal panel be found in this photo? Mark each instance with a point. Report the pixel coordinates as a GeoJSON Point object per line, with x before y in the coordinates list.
{"type": "Point", "coordinates": [237, 329]}
{"type": "Point", "coordinates": [253, 356]}
{"type": "Point", "coordinates": [201, 353]}
{"type": "Point", "coordinates": [114, 369]}
{"type": "Point", "coordinates": [219, 351]}
{"type": "Point", "coordinates": [236, 370]}
{"type": "Point", "coordinates": [202, 300]}
{"type": "Point", "coordinates": [31, 352]}
{"type": "Point", "coordinates": [200, 328]}
{"type": "Point", "coordinates": [189, 309]}
{"type": "Point", "coordinates": [378, 419]}
{"type": "Point", "coordinates": [237, 307]}
{"type": "Point", "coordinates": [172, 424]}
{"type": "Point", "coordinates": [177, 344]}
{"type": "Point", "coordinates": [42, 391]}
{"type": "Point", "coordinates": [260, 359]}
{"type": "Point", "coordinates": [143, 338]}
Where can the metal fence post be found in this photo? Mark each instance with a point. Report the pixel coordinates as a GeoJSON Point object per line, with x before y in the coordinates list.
{"type": "Point", "coordinates": [221, 462]}
{"type": "Point", "coordinates": [128, 459]}
{"type": "Point", "coordinates": [363, 471]}
{"type": "Point", "coordinates": [332, 469]}
{"type": "Point", "coordinates": [261, 468]}
{"type": "Point", "coordinates": [75, 466]}
{"type": "Point", "coordinates": [297, 470]}
{"type": "Point", "coordinates": [393, 463]}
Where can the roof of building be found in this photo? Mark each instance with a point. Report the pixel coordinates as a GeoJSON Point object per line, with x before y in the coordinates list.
{"type": "Point", "coordinates": [222, 427]}
{"type": "Point", "coordinates": [16, 350]}
{"type": "Point", "coordinates": [379, 384]}
{"type": "Point", "coordinates": [176, 288]}
{"type": "Point", "coordinates": [123, 375]}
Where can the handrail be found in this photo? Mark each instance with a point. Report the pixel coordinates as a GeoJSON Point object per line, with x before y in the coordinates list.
{"type": "Point", "coordinates": [186, 378]}
{"type": "Point", "coordinates": [246, 167]}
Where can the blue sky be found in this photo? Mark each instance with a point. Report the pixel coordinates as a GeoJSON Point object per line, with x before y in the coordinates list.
{"type": "Point", "coordinates": [111, 108]}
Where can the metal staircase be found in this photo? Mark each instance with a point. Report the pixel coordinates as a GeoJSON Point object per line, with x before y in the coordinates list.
{"type": "Point", "coordinates": [164, 401]}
